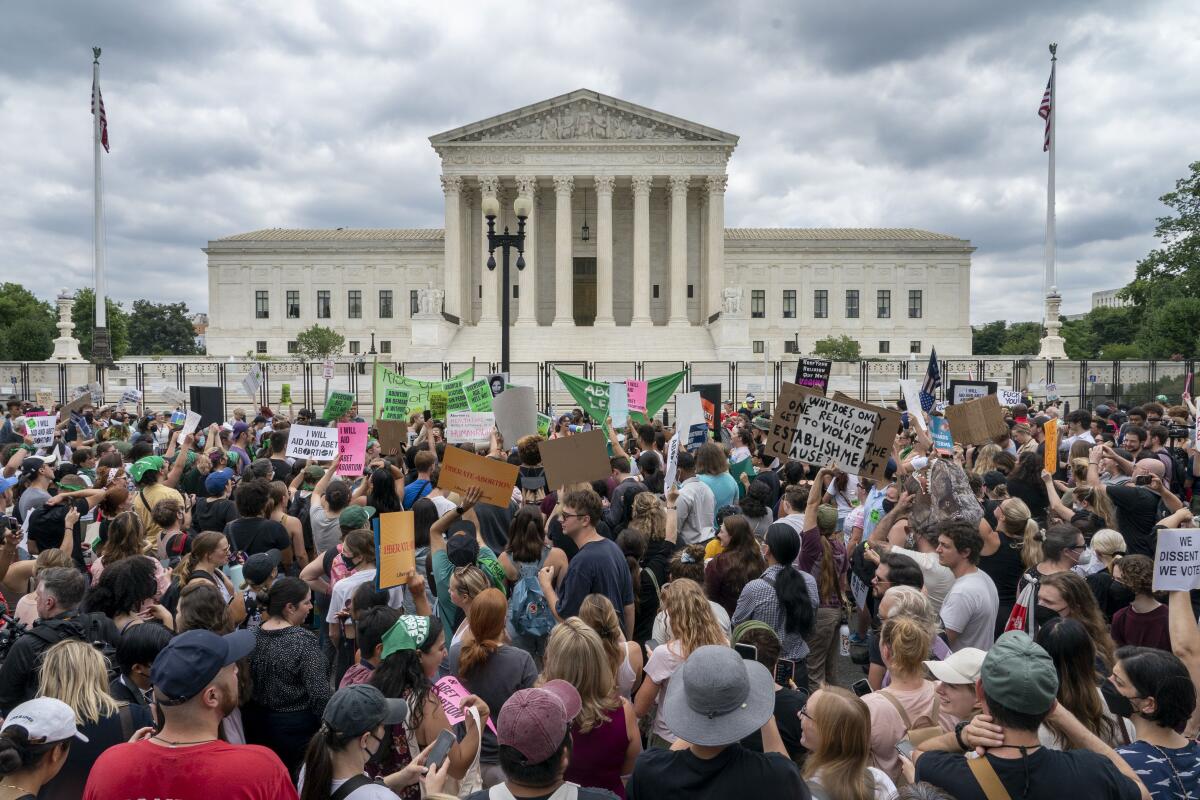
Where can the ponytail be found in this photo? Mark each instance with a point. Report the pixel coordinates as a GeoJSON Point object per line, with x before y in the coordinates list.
{"type": "Point", "coordinates": [318, 762]}
{"type": "Point", "coordinates": [486, 618]}
{"type": "Point", "coordinates": [18, 753]}
{"type": "Point", "coordinates": [1031, 548]}
{"type": "Point", "coordinates": [791, 590]}
{"type": "Point", "coordinates": [827, 583]}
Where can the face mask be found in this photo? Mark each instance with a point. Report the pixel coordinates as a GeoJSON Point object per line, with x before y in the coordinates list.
{"type": "Point", "coordinates": [375, 756]}
{"type": "Point", "coordinates": [888, 505]}
{"type": "Point", "coordinates": [348, 561]}
{"type": "Point", "coordinates": [1042, 614]}
{"type": "Point", "coordinates": [1117, 703]}
{"type": "Point", "coordinates": [1085, 558]}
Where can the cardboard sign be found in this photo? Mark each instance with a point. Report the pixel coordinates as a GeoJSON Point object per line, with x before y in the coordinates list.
{"type": "Point", "coordinates": [46, 399]}
{"type": "Point", "coordinates": [337, 405]}
{"type": "Point", "coordinates": [832, 430]}
{"type": "Point", "coordinates": [516, 414]}
{"type": "Point", "coordinates": [75, 405]}
{"type": "Point", "coordinates": [962, 391]}
{"type": "Point", "coordinates": [1050, 454]}
{"type": "Point", "coordinates": [635, 395]}
{"type": "Point", "coordinates": [191, 421]}
{"type": "Point", "coordinates": [394, 403]}
{"type": "Point", "coordinates": [462, 470]}
{"type": "Point", "coordinates": [1177, 560]}
{"type": "Point", "coordinates": [352, 443]}
{"type": "Point", "coordinates": [943, 440]}
{"type": "Point", "coordinates": [312, 443]}
{"type": "Point", "coordinates": [393, 436]}
{"type": "Point", "coordinates": [576, 459]}
{"type": "Point", "coordinates": [439, 402]}
{"type": "Point", "coordinates": [470, 426]}
{"type": "Point", "coordinates": [456, 397]}
{"type": "Point", "coordinates": [252, 382]}
{"type": "Point", "coordinates": [395, 548]}
{"type": "Point", "coordinates": [327, 369]}
{"type": "Point", "coordinates": [174, 396]}
{"type": "Point", "coordinates": [911, 391]}
{"type": "Point", "coordinates": [479, 395]}
{"type": "Point", "coordinates": [672, 465]}
{"type": "Point", "coordinates": [452, 693]}
{"type": "Point", "coordinates": [41, 430]}
{"type": "Point", "coordinates": [497, 382]}
{"type": "Point", "coordinates": [1009, 398]}
{"type": "Point", "coordinates": [618, 404]}
{"type": "Point", "coordinates": [783, 422]}
{"type": "Point", "coordinates": [813, 373]}
{"type": "Point", "coordinates": [976, 421]}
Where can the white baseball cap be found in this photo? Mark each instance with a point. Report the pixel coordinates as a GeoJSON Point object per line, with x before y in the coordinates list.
{"type": "Point", "coordinates": [960, 668]}
{"type": "Point", "coordinates": [45, 720]}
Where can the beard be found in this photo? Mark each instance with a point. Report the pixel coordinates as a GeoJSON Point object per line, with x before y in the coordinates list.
{"type": "Point", "coordinates": [228, 698]}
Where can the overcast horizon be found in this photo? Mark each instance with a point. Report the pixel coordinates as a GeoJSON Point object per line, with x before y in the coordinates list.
{"type": "Point", "coordinates": [226, 118]}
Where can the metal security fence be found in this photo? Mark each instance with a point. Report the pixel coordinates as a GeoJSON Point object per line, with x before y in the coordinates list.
{"type": "Point", "coordinates": [1080, 384]}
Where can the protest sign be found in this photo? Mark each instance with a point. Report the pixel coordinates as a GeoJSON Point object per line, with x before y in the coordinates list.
{"type": "Point", "coordinates": [285, 394]}
{"type": "Point", "coordinates": [1009, 398]}
{"type": "Point", "coordinates": [1050, 454]}
{"type": "Point", "coordinates": [516, 414]}
{"type": "Point", "coordinates": [879, 450]}
{"type": "Point", "coordinates": [710, 404]}
{"type": "Point", "coordinates": [178, 417]}
{"type": "Point", "coordinates": [131, 397]}
{"type": "Point", "coordinates": [462, 470]}
{"type": "Point", "coordinates": [312, 443]}
{"type": "Point", "coordinates": [46, 399]}
{"type": "Point", "coordinates": [252, 382]}
{"type": "Point", "coordinates": [327, 369]}
{"type": "Point", "coordinates": [976, 421]}
{"type": "Point", "coordinates": [1051, 392]}
{"type": "Point", "coordinates": [337, 405]}
{"type": "Point", "coordinates": [395, 548]}
{"type": "Point", "coordinates": [911, 391]}
{"type": "Point", "coordinates": [497, 381]}
{"type": "Point", "coordinates": [191, 421]}
{"type": "Point", "coordinates": [451, 693]}
{"type": "Point", "coordinates": [470, 426]}
{"type": "Point", "coordinates": [672, 465]}
{"type": "Point", "coordinates": [689, 420]}
{"type": "Point", "coordinates": [592, 396]}
{"type": "Point", "coordinates": [40, 429]}
{"type": "Point", "coordinates": [962, 391]}
{"type": "Point", "coordinates": [418, 390]}
{"type": "Point", "coordinates": [75, 405]}
{"type": "Point", "coordinates": [783, 423]}
{"type": "Point", "coordinates": [813, 373]}
{"type": "Point", "coordinates": [635, 395]}
{"type": "Point", "coordinates": [97, 392]}
{"type": "Point", "coordinates": [479, 395]}
{"type": "Point", "coordinates": [393, 436]}
{"type": "Point", "coordinates": [844, 433]}
{"type": "Point", "coordinates": [174, 396]}
{"type": "Point", "coordinates": [575, 459]}
{"type": "Point", "coordinates": [395, 403]}
{"type": "Point", "coordinates": [439, 403]}
{"type": "Point", "coordinates": [543, 424]}
{"type": "Point", "coordinates": [456, 397]}
{"type": "Point", "coordinates": [1177, 560]}
{"type": "Point", "coordinates": [352, 444]}
{"type": "Point", "coordinates": [618, 404]}
{"type": "Point", "coordinates": [943, 440]}
{"type": "Point", "coordinates": [77, 391]}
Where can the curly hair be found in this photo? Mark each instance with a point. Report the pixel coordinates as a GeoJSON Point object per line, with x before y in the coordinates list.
{"type": "Point", "coordinates": [123, 588]}
{"type": "Point", "coordinates": [1137, 572]}
{"type": "Point", "coordinates": [693, 623]}
{"type": "Point", "coordinates": [400, 675]}
{"type": "Point", "coordinates": [529, 451]}
{"type": "Point", "coordinates": [649, 516]}
{"type": "Point", "coordinates": [687, 562]}
{"type": "Point", "coordinates": [126, 537]}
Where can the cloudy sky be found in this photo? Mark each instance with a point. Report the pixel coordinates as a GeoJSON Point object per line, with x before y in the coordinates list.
{"type": "Point", "coordinates": [231, 116]}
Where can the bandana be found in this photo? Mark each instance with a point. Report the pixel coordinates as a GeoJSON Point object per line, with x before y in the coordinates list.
{"type": "Point", "coordinates": [144, 465]}
{"type": "Point", "coordinates": [409, 633]}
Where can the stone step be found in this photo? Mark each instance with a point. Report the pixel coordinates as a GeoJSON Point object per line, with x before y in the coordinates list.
{"type": "Point", "coordinates": [570, 342]}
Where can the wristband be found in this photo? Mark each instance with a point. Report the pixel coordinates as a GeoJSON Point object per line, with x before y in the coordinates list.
{"type": "Point", "coordinates": [958, 729]}
{"type": "Point", "coordinates": [460, 510]}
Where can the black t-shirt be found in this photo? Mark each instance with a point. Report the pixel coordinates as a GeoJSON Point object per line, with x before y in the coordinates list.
{"type": "Point", "coordinates": [734, 772]}
{"type": "Point", "coordinates": [71, 779]}
{"type": "Point", "coordinates": [1033, 495]}
{"type": "Point", "coordinates": [563, 542]}
{"type": "Point", "coordinates": [493, 524]}
{"type": "Point", "coordinates": [251, 535]}
{"type": "Point", "coordinates": [192, 482]}
{"type": "Point", "coordinates": [1044, 775]}
{"type": "Point", "coordinates": [788, 703]}
{"type": "Point", "coordinates": [47, 526]}
{"type": "Point", "coordinates": [212, 514]}
{"type": "Point", "coordinates": [283, 470]}
{"type": "Point", "coordinates": [1111, 595]}
{"type": "Point", "coordinates": [1137, 511]}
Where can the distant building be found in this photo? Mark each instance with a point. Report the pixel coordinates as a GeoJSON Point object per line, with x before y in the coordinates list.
{"type": "Point", "coordinates": [199, 329]}
{"type": "Point", "coordinates": [1108, 299]}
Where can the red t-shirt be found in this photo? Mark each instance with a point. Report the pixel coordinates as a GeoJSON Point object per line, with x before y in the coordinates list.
{"type": "Point", "coordinates": [202, 772]}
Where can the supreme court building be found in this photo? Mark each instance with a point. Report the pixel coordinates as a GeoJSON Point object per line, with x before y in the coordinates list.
{"type": "Point", "coordinates": [627, 258]}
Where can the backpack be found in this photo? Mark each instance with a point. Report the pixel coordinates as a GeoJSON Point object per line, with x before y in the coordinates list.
{"type": "Point", "coordinates": [298, 508]}
{"type": "Point", "coordinates": [85, 628]}
{"type": "Point", "coordinates": [528, 610]}
{"type": "Point", "coordinates": [1181, 468]}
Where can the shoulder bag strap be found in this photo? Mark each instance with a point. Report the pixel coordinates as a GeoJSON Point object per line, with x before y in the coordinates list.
{"type": "Point", "coordinates": [654, 580]}
{"type": "Point", "coordinates": [899, 708]}
{"type": "Point", "coordinates": [988, 780]}
{"type": "Point", "coordinates": [126, 715]}
{"type": "Point", "coordinates": [142, 497]}
{"type": "Point", "coordinates": [345, 790]}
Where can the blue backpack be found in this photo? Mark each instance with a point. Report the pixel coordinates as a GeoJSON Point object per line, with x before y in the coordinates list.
{"type": "Point", "coordinates": [527, 608]}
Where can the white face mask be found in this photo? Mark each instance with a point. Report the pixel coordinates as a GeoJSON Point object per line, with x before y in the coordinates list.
{"type": "Point", "coordinates": [1085, 558]}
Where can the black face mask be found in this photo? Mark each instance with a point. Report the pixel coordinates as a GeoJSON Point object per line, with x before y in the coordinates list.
{"type": "Point", "coordinates": [349, 562]}
{"type": "Point", "coordinates": [888, 505]}
{"type": "Point", "coordinates": [1117, 703]}
{"type": "Point", "coordinates": [1042, 615]}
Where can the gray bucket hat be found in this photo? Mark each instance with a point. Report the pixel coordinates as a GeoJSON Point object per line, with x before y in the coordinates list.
{"type": "Point", "coordinates": [717, 697]}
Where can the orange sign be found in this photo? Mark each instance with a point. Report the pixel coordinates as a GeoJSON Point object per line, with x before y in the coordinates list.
{"type": "Point", "coordinates": [1051, 458]}
{"type": "Point", "coordinates": [395, 548]}
{"type": "Point", "coordinates": [462, 470]}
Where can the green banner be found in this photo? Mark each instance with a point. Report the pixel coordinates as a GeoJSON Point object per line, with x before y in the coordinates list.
{"type": "Point", "coordinates": [592, 396]}
{"type": "Point", "coordinates": [479, 395]}
{"type": "Point", "coordinates": [397, 395]}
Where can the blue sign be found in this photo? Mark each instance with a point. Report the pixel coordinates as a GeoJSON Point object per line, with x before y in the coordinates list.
{"type": "Point", "coordinates": [942, 439]}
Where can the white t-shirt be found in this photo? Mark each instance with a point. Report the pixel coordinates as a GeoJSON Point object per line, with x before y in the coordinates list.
{"type": "Point", "coordinates": [343, 592]}
{"type": "Point", "coordinates": [938, 579]}
{"type": "Point", "coordinates": [970, 610]}
{"type": "Point", "coordinates": [372, 791]}
{"type": "Point", "coordinates": [846, 498]}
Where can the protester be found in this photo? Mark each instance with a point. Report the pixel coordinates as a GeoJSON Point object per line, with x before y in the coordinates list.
{"type": "Point", "coordinates": [206, 560]}
{"type": "Point", "coordinates": [35, 744]}
{"type": "Point", "coordinates": [625, 658]}
{"type": "Point", "coordinates": [1111, 595]}
{"type": "Point", "coordinates": [1144, 622]}
{"type": "Point", "coordinates": [789, 698]}
{"type": "Point", "coordinates": [696, 505]}
{"type": "Point", "coordinates": [1074, 655]}
{"type": "Point", "coordinates": [127, 595]}
{"type": "Point", "coordinates": [837, 734]}
{"type": "Point", "coordinates": [969, 611]}
{"type": "Point", "coordinates": [1066, 594]}
{"type": "Point", "coordinates": [136, 651]}
{"type": "Point", "coordinates": [740, 562]}
{"type": "Point", "coordinates": [823, 555]}
{"type": "Point", "coordinates": [527, 553]}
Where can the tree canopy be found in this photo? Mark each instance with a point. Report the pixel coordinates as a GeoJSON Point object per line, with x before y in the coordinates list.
{"type": "Point", "coordinates": [837, 348]}
{"type": "Point", "coordinates": [161, 329]}
{"type": "Point", "coordinates": [84, 317]}
{"type": "Point", "coordinates": [27, 325]}
{"type": "Point", "coordinates": [319, 343]}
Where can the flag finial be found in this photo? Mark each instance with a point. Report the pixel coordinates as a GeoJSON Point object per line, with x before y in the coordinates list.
{"type": "Point", "coordinates": [95, 55]}
{"type": "Point", "coordinates": [1054, 51]}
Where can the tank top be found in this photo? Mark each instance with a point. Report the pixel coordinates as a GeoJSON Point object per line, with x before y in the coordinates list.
{"type": "Point", "coordinates": [598, 755]}
{"type": "Point", "coordinates": [1005, 568]}
{"type": "Point", "coordinates": [625, 676]}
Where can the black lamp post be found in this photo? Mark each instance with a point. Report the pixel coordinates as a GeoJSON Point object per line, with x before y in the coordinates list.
{"type": "Point", "coordinates": [371, 352]}
{"type": "Point", "coordinates": [505, 241]}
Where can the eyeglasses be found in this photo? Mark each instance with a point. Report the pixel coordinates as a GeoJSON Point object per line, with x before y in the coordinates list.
{"type": "Point", "coordinates": [804, 713]}
{"type": "Point", "coordinates": [1077, 547]}
{"type": "Point", "coordinates": [565, 515]}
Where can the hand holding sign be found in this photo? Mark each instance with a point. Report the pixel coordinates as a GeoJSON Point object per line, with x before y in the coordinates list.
{"type": "Point", "coordinates": [1177, 560]}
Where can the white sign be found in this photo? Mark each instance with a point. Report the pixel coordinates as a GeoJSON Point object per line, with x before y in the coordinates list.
{"type": "Point", "coordinates": [1177, 560]}
{"type": "Point", "coordinates": [189, 424]}
{"type": "Point", "coordinates": [174, 396]}
{"type": "Point", "coordinates": [672, 462]}
{"type": "Point", "coordinates": [41, 430]}
{"type": "Point", "coordinates": [252, 382]}
{"type": "Point", "coordinates": [97, 393]}
{"type": "Point", "coordinates": [1051, 392]}
{"type": "Point", "coordinates": [688, 412]}
{"type": "Point", "coordinates": [1009, 398]}
{"type": "Point", "coordinates": [312, 443]}
{"type": "Point", "coordinates": [618, 404]}
{"type": "Point", "coordinates": [470, 426]}
{"type": "Point", "coordinates": [327, 369]}
{"type": "Point", "coordinates": [912, 398]}
{"type": "Point", "coordinates": [132, 397]}
{"type": "Point", "coordinates": [829, 431]}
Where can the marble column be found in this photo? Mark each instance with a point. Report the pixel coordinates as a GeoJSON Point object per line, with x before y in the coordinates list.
{"type": "Point", "coordinates": [714, 277]}
{"type": "Point", "coordinates": [489, 186]}
{"type": "Point", "coordinates": [679, 195]}
{"type": "Point", "coordinates": [452, 276]}
{"type": "Point", "coordinates": [527, 278]}
{"type": "Point", "coordinates": [641, 250]}
{"type": "Point", "coordinates": [604, 250]}
{"type": "Point", "coordinates": [564, 267]}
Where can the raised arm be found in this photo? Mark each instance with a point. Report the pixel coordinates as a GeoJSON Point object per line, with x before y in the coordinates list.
{"type": "Point", "coordinates": [180, 462]}
{"type": "Point", "coordinates": [1056, 503]}
{"type": "Point", "coordinates": [814, 498]}
{"type": "Point", "coordinates": [1185, 643]}
{"type": "Point", "coordinates": [438, 530]}
{"type": "Point", "coordinates": [617, 449]}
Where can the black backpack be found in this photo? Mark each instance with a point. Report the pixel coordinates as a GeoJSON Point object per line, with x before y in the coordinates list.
{"type": "Point", "coordinates": [298, 508]}
{"type": "Point", "coordinates": [85, 628]}
{"type": "Point", "coordinates": [1180, 469]}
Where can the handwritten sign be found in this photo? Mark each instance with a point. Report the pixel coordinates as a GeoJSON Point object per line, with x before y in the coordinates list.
{"type": "Point", "coordinates": [943, 440]}
{"type": "Point", "coordinates": [452, 693]}
{"type": "Point", "coordinates": [439, 402]}
{"type": "Point", "coordinates": [174, 396]}
{"type": "Point", "coordinates": [395, 548]}
{"type": "Point", "coordinates": [783, 422]}
{"type": "Point", "coordinates": [352, 442]}
{"type": "Point", "coordinates": [1177, 560]}
{"type": "Point", "coordinates": [470, 426]}
{"type": "Point", "coordinates": [479, 395]}
{"type": "Point", "coordinates": [337, 405]}
{"type": "Point", "coordinates": [312, 443]}
{"type": "Point", "coordinates": [191, 421]}
{"type": "Point", "coordinates": [635, 395]}
{"type": "Point", "coordinates": [1009, 398]}
{"type": "Point", "coordinates": [830, 431]}
{"type": "Point", "coordinates": [462, 470]}
{"type": "Point", "coordinates": [395, 403]}
{"type": "Point", "coordinates": [618, 404]}
{"type": "Point", "coordinates": [911, 391]}
{"type": "Point", "coordinates": [252, 382]}
{"type": "Point", "coordinates": [40, 429]}
{"type": "Point", "coordinates": [814, 373]}
{"type": "Point", "coordinates": [46, 399]}
{"type": "Point", "coordinates": [1050, 459]}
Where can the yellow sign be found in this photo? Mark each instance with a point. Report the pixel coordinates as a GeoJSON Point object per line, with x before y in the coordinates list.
{"type": "Point", "coordinates": [1051, 445]}
{"type": "Point", "coordinates": [395, 548]}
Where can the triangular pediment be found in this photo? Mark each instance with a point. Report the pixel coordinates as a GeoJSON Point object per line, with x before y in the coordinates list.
{"type": "Point", "coordinates": [584, 116]}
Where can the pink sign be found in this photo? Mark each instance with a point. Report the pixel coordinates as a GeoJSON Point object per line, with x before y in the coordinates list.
{"type": "Point", "coordinates": [352, 442]}
{"type": "Point", "coordinates": [637, 395]}
{"type": "Point", "coordinates": [452, 693]}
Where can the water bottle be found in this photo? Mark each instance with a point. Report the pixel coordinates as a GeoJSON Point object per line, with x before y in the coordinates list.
{"type": "Point", "coordinates": [844, 634]}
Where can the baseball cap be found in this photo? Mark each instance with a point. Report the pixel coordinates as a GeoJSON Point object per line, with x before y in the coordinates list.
{"type": "Point", "coordinates": [8, 483]}
{"type": "Point", "coordinates": [216, 481]}
{"type": "Point", "coordinates": [239, 428]}
{"type": "Point", "coordinates": [192, 659]}
{"type": "Point", "coordinates": [312, 475]}
{"type": "Point", "coordinates": [146, 464]}
{"type": "Point", "coordinates": [461, 546]}
{"type": "Point", "coordinates": [354, 710]}
{"type": "Point", "coordinates": [258, 566]}
{"type": "Point", "coordinates": [1018, 674]}
{"type": "Point", "coordinates": [30, 466]}
{"type": "Point", "coordinates": [407, 633]}
{"type": "Point", "coordinates": [827, 517]}
{"type": "Point", "coordinates": [353, 517]}
{"type": "Point", "coordinates": [960, 668]}
{"type": "Point", "coordinates": [534, 722]}
{"type": "Point", "coordinates": [44, 719]}
{"type": "Point", "coordinates": [761, 423]}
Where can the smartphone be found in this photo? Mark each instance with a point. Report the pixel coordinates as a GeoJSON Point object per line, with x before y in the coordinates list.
{"type": "Point", "coordinates": [1142, 480]}
{"type": "Point", "coordinates": [785, 671]}
{"type": "Point", "coordinates": [905, 748]}
{"type": "Point", "coordinates": [861, 687]}
{"type": "Point", "coordinates": [441, 749]}
{"type": "Point", "coordinates": [427, 414]}
{"type": "Point", "coordinates": [747, 651]}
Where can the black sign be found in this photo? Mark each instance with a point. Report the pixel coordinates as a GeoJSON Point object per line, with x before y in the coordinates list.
{"type": "Point", "coordinates": [814, 373]}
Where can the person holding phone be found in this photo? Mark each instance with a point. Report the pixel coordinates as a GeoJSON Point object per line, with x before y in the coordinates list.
{"type": "Point", "coordinates": [1139, 505]}
{"type": "Point", "coordinates": [757, 641]}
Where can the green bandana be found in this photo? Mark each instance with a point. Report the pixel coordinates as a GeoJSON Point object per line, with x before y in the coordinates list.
{"type": "Point", "coordinates": [409, 633]}
{"type": "Point", "coordinates": [144, 465]}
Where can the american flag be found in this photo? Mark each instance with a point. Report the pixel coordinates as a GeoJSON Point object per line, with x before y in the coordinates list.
{"type": "Point", "coordinates": [1047, 106]}
{"type": "Point", "coordinates": [98, 99]}
{"type": "Point", "coordinates": [933, 379]}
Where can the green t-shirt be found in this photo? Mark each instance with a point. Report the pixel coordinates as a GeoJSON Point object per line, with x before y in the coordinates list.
{"type": "Point", "coordinates": [442, 568]}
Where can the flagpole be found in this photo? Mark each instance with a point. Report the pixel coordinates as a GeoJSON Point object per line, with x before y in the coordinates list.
{"type": "Point", "coordinates": [101, 348]}
{"type": "Point", "coordinates": [1052, 344]}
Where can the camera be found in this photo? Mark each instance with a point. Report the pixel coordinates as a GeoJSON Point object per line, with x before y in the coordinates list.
{"type": "Point", "coordinates": [8, 522]}
{"type": "Point", "coordinates": [1179, 432]}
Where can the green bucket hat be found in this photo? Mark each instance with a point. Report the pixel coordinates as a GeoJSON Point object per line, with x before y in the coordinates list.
{"type": "Point", "coordinates": [1018, 674]}
{"type": "Point", "coordinates": [827, 517]}
{"type": "Point", "coordinates": [313, 475]}
{"type": "Point", "coordinates": [354, 517]}
{"type": "Point", "coordinates": [144, 465]}
{"type": "Point", "coordinates": [408, 633]}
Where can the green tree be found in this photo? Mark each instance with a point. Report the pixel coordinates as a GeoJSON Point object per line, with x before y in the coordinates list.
{"type": "Point", "coordinates": [318, 343]}
{"type": "Point", "coordinates": [1113, 325]}
{"type": "Point", "coordinates": [1079, 339]}
{"type": "Point", "coordinates": [161, 329]}
{"type": "Point", "coordinates": [84, 317]}
{"type": "Point", "coordinates": [1171, 328]}
{"type": "Point", "coordinates": [841, 348]}
{"type": "Point", "coordinates": [1172, 270]}
{"type": "Point", "coordinates": [987, 339]}
{"type": "Point", "coordinates": [1021, 339]}
{"type": "Point", "coordinates": [27, 325]}
{"type": "Point", "coordinates": [1119, 352]}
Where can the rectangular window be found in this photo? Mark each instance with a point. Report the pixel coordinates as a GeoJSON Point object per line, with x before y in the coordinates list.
{"type": "Point", "coordinates": [261, 346]}
{"type": "Point", "coordinates": [759, 347]}
{"type": "Point", "coordinates": [914, 303]}
{"type": "Point", "coordinates": [914, 346]}
{"type": "Point", "coordinates": [262, 308]}
{"type": "Point", "coordinates": [385, 303]}
{"type": "Point", "coordinates": [412, 302]}
{"type": "Point", "coordinates": [654, 294]}
{"type": "Point", "coordinates": [293, 304]}
{"type": "Point", "coordinates": [789, 346]}
{"type": "Point", "coordinates": [690, 291]}
{"type": "Point", "coordinates": [323, 304]}
{"type": "Point", "coordinates": [385, 346]}
{"type": "Point", "coordinates": [758, 305]}
{"type": "Point", "coordinates": [885, 348]}
{"type": "Point", "coordinates": [883, 303]}
{"type": "Point", "coordinates": [852, 304]}
{"type": "Point", "coordinates": [820, 303]}
{"type": "Point", "coordinates": [789, 303]}
{"type": "Point", "coordinates": [293, 348]}
{"type": "Point", "coordinates": [354, 304]}
{"type": "Point", "coordinates": [516, 292]}
{"type": "Point", "coordinates": [354, 348]}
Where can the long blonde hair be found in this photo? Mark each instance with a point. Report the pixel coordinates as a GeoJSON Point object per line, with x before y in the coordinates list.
{"type": "Point", "coordinates": [649, 516]}
{"type": "Point", "coordinates": [1014, 519]}
{"type": "Point", "coordinates": [843, 750]}
{"type": "Point", "coordinates": [576, 655]}
{"type": "Point", "coordinates": [985, 459]}
{"type": "Point", "coordinates": [693, 623]}
{"type": "Point", "coordinates": [597, 612]}
{"type": "Point", "coordinates": [202, 546]}
{"type": "Point", "coordinates": [74, 672]}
